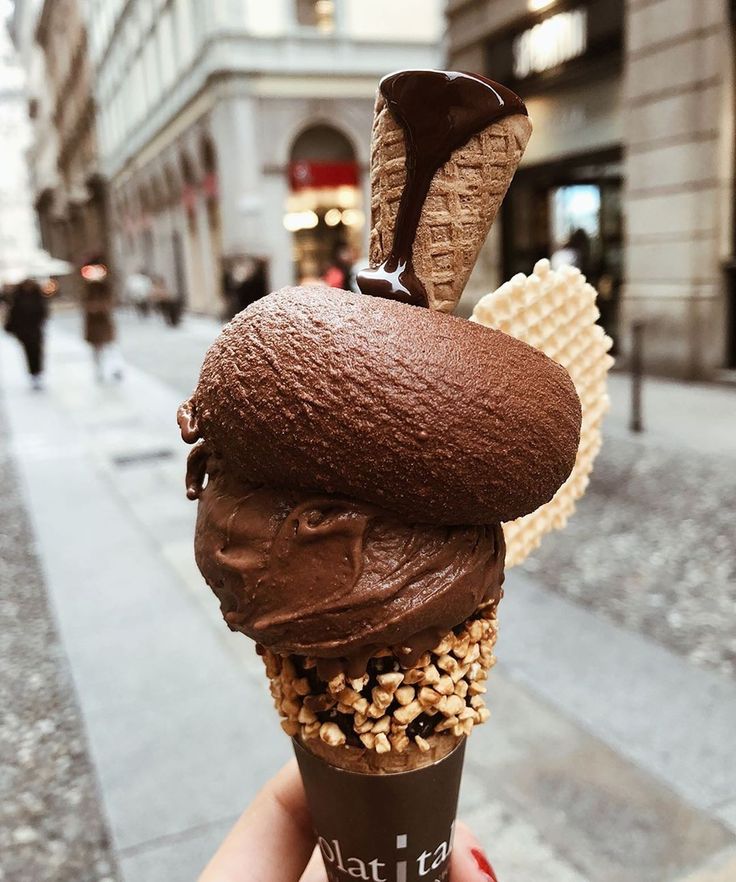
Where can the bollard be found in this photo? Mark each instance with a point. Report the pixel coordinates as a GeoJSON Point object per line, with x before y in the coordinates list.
{"type": "Point", "coordinates": [637, 347]}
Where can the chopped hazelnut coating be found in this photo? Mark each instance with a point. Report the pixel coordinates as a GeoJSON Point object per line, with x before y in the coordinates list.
{"type": "Point", "coordinates": [390, 707]}
{"type": "Point", "coordinates": [405, 695]}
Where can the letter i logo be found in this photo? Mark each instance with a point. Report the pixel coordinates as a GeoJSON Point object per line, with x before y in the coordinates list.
{"type": "Point", "coordinates": [401, 865]}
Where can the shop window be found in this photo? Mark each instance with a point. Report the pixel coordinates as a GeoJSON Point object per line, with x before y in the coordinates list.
{"type": "Point", "coordinates": [319, 14]}
{"type": "Point", "coordinates": [324, 208]}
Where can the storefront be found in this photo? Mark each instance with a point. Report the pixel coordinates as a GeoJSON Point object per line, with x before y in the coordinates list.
{"type": "Point", "coordinates": [566, 199]}
{"type": "Point", "coordinates": [324, 208]}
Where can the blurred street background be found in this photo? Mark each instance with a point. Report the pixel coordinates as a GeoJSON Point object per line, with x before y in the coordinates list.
{"type": "Point", "coordinates": [163, 163]}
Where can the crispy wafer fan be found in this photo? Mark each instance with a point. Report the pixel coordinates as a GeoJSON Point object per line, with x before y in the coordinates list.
{"type": "Point", "coordinates": [555, 311]}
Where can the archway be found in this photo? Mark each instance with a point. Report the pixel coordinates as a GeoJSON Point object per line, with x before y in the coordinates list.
{"type": "Point", "coordinates": [178, 278]}
{"type": "Point", "coordinates": [324, 210]}
{"type": "Point", "coordinates": [146, 202]}
{"type": "Point", "coordinates": [196, 287]}
{"type": "Point", "coordinates": [210, 185]}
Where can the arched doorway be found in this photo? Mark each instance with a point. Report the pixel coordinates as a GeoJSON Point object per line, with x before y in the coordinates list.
{"type": "Point", "coordinates": [145, 232]}
{"type": "Point", "coordinates": [324, 208]}
{"type": "Point", "coordinates": [196, 287]}
{"type": "Point", "coordinates": [214, 224]}
{"type": "Point", "coordinates": [178, 279]}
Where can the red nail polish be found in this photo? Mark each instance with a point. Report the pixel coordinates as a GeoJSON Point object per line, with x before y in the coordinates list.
{"type": "Point", "coordinates": [483, 864]}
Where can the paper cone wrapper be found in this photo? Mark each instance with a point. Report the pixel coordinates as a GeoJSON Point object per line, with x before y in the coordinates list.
{"type": "Point", "coordinates": [463, 200]}
{"type": "Point", "coordinates": [393, 827]}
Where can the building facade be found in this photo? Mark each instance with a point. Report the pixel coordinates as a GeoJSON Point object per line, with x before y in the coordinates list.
{"type": "Point", "coordinates": [235, 129]}
{"type": "Point", "coordinates": [69, 190]}
{"type": "Point", "coordinates": [630, 165]}
{"type": "Point", "coordinates": [18, 234]}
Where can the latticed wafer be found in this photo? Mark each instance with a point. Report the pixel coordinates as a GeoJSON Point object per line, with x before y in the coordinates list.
{"type": "Point", "coordinates": [463, 199]}
{"type": "Point", "coordinates": [555, 311]}
{"type": "Point", "coordinates": [392, 718]}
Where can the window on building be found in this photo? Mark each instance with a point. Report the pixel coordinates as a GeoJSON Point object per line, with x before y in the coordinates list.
{"type": "Point", "coordinates": [319, 14]}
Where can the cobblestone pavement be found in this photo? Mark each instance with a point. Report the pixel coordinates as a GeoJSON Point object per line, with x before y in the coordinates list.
{"type": "Point", "coordinates": [51, 826]}
{"type": "Point", "coordinates": [652, 546]}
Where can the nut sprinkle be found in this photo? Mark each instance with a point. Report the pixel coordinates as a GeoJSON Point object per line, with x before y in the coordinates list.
{"type": "Point", "coordinates": [390, 707]}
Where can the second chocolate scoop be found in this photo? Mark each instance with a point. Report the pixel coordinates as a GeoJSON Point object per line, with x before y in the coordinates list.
{"type": "Point", "coordinates": [335, 578]}
{"type": "Point", "coordinates": [431, 417]}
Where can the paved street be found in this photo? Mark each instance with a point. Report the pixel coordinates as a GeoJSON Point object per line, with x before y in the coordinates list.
{"type": "Point", "coordinates": [52, 823]}
{"type": "Point", "coordinates": [609, 752]}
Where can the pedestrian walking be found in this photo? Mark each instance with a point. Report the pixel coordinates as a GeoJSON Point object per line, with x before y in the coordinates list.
{"type": "Point", "coordinates": [99, 325]}
{"type": "Point", "coordinates": [245, 280]}
{"type": "Point", "coordinates": [339, 274]}
{"type": "Point", "coordinates": [27, 312]}
{"type": "Point", "coordinates": [164, 301]}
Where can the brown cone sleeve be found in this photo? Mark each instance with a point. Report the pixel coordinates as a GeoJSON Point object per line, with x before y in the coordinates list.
{"type": "Point", "coordinates": [385, 828]}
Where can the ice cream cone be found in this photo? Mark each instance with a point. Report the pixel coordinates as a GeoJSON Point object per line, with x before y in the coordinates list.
{"type": "Point", "coordinates": [381, 755]}
{"type": "Point", "coordinates": [463, 200]}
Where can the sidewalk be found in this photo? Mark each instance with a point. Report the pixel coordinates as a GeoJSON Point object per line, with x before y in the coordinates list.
{"type": "Point", "coordinates": [607, 756]}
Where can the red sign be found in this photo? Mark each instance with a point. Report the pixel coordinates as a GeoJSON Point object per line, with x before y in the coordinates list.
{"type": "Point", "coordinates": [307, 173]}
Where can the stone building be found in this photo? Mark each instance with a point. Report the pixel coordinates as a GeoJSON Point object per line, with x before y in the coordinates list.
{"type": "Point", "coordinates": [632, 102]}
{"type": "Point", "coordinates": [18, 237]}
{"type": "Point", "coordinates": [239, 130]}
{"type": "Point", "coordinates": [69, 190]}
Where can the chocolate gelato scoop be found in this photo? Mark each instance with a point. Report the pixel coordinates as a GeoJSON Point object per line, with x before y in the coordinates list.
{"type": "Point", "coordinates": [433, 418]}
{"type": "Point", "coordinates": [334, 577]}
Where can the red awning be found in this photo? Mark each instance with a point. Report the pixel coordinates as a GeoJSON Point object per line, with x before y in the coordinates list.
{"type": "Point", "coordinates": [308, 173]}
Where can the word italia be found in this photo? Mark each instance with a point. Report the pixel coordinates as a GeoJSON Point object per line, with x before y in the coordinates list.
{"type": "Point", "coordinates": [376, 870]}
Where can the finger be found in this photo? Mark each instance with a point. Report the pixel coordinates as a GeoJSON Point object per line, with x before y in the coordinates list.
{"type": "Point", "coordinates": [469, 862]}
{"type": "Point", "coordinates": [272, 840]}
{"type": "Point", "coordinates": [315, 871]}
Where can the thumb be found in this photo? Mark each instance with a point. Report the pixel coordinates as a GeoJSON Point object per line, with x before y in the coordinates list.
{"type": "Point", "coordinates": [469, 862]}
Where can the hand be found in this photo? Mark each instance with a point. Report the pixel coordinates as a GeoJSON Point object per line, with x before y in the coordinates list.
{"type": "Point", "coordinates": [274, 840]}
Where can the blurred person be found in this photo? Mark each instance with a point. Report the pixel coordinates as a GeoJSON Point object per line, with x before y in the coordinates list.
{"type": "Point", "coordinates": [99, 325]}
{"type": "Point", "coordinates": [575, 252]}
{"type": "Point", "coordinates": [255, 285]}
{"type": "Point", "coordinates": [27, 312]}
{"type": "Point", "coordinates": [339, 274]}
{"type": "Point", "coordinates": [162, 299]}
{"type": "Point", "coordinates": [274, 839]}
{"type": "Point", "coordinates": [138, 288]}
{"type": "Point", "coordinates": [244, 282]}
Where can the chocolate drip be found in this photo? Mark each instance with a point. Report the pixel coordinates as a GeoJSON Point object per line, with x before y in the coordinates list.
{"type": "Point", "coordinates": [197, 470]}
{"type": "Point", "coordinates": [439, 111]}
{"type": "Point", "coordinates": [186, 419]}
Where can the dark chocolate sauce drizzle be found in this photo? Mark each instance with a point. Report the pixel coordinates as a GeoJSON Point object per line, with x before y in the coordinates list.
{"type": "Point", "coordinates": [439, 111]}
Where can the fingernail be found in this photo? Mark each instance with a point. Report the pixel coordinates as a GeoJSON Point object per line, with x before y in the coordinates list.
{"type": "Point", "coordinates": [483, 864]}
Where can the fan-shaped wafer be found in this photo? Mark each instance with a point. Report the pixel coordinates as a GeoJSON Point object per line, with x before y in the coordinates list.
{"type": "Point", "coordinates": [463, 200]}
{"type": "Point", "coordinates": [555, 311]}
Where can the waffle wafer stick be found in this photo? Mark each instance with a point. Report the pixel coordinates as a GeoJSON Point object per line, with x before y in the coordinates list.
{"type": "Point", "coordinates": [463, 200]}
